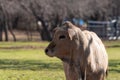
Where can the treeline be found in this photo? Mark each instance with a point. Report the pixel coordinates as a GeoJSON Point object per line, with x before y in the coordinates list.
{"type": "Point", "coordinates": [25, 14]}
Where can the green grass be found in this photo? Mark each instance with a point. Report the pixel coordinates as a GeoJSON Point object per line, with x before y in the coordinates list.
{"type": "Point", "coordinates": [112, 43]}
{"type": "Point", "coordinates": [10, 44]}
{"type": "Point", "coordinates": [31, 63]}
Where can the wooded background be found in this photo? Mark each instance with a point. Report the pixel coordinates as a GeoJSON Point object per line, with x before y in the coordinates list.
{"type": "Point", "coordinates": [25, 14]}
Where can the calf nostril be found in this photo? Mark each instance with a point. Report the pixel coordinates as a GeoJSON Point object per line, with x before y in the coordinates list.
{"type": "Point", "coordinates": [46, 50]}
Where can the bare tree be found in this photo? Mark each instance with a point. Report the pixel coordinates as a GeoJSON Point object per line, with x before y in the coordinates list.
{"type": "Point", "coordinates": [1, 22]}
{"type": "Point", "coordinates": [6, 23]}
{"type": "Point", "coordinates": [3, 26]}
{"type": "Point", "coordinates": [24, 14]}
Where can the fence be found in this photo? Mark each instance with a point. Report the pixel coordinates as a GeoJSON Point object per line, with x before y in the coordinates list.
{"type": "Point", "coordinates": [105, 29]}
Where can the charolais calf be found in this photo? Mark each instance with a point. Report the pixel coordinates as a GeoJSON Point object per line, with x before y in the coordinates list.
{"type": "Point", "coordinates": [82, 52]}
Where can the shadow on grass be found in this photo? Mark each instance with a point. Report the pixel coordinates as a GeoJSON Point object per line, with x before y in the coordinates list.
{"type": "Point", "coordinates": [14, 64]}
{"type": "Point", "coordinates": [113, 46]}
{"type": "Point", "coordinates": [114, 66]}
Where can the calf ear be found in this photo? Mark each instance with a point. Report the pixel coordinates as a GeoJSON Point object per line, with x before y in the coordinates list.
{"type": "Point", "coordinates": [68, 24]}
{"type": "Point", "coordinates": [71, 34]}
{"type": "Point", "coordinates": [70, 29]}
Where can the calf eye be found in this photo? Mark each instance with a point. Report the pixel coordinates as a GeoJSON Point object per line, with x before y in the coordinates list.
{"type": "Point", "coordinates": [61, 37]}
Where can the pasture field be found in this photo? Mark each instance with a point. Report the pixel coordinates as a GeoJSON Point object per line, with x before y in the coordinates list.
{"type": "Point", "coordinates": [27, 61]}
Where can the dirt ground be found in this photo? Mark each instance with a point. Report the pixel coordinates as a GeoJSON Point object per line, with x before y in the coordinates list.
{"type": "Point", "coordinates": [24, 35]}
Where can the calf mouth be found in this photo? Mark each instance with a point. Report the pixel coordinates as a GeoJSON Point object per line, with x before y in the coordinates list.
{"type": "Point", "coordinates": [49, 52]}
{"type": "Point", "coordinates": [50, 49]}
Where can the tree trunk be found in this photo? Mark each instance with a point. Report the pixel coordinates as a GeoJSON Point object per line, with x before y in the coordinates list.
{"type": "Point", "coordinates": [45, 34]}
{"type": "Point", "coordinates": [6, 32]}
{"type": "Point", "coordinates": [1, 21]}
{"type": "Point", "coordinates": [11, 30]}
{"type": "Point", "coordinates": [1, 32]}
{"type": "Point", "coordinates": [4, 23]}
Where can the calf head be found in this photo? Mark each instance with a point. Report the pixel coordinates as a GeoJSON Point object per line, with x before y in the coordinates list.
{"type": "Point", "coordinates": [62, 42]}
